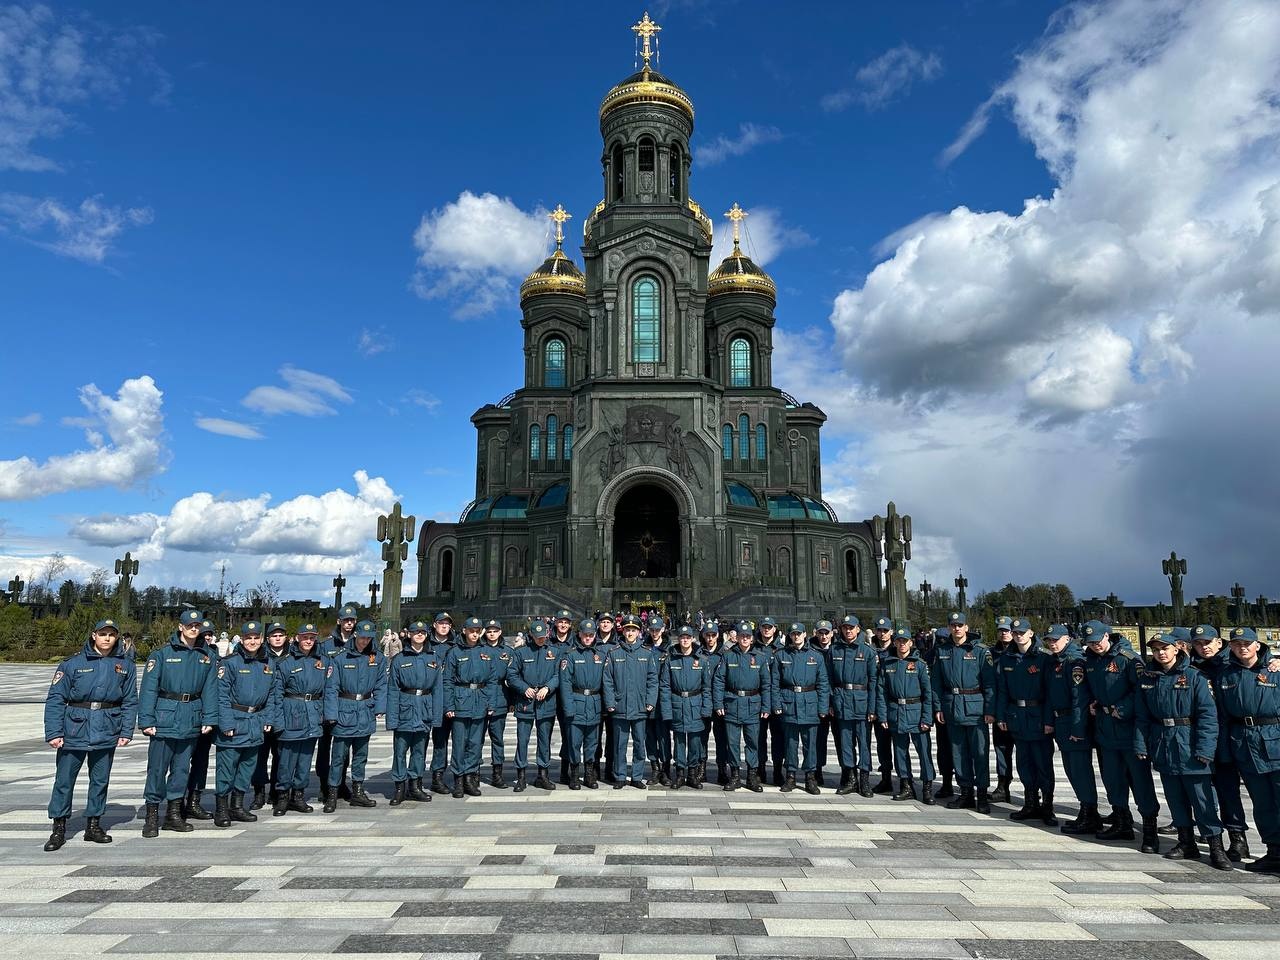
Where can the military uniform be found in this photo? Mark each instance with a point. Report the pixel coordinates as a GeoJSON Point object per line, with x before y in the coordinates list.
{"type": "Point", "coordinates": [1002, 740]}
{"type": "Point", "coordinates": [468, 671]}
{"type": "Point", "coordinates": [740, 694]}
{"type": "Point", "coordinates": [963, 678]}
{"type": "Point", "coordinates": [853, 667]}
{"type": "Point", "coordinates": [801, 693]}
{"type": "Point", "coordinates": [248, 703]}
{"type": "Point", "coordinates": [884, 739]}
{"type": "Point", "coordinates": [1227, 782]}
{"type": "Point", "coordinates": [90, 708]}
{"type": "Point", "coordinates": [534, 667]}
{"type": "Point", "coordinates": [266, 773]}
{"type": "Point", "coordinates": [1068, 695]}
{"type": "Point", "coordinates": [905, 706]}
{"type": "Point", "coordinates": [198, 778]}
{"type": "Point", "coordinates": [562, 641]}
{"type": "Point", "coordinates": [822, 643]}
{"type": "Point", "coordinates": [355, 696]}
{"type": "Point", "coordinates": [657, 726]}
{"type": "Point", "coordinates": [685, 697]}
{"type": "Point", "coordinates": [329, 647]}
{"type": "Point", "coordinates": [582, 693]}
{"type": "Point", "coordinates": [606, 637]}
{"type": "Point", "coordinates": [771, 744]}
{"type": "Point", "coordinates": [303, 677]}
{"type": "Point", "coordinates": [499, 701]}
{"type": "Point", "coordinates": [415, 706]}
{"type": "Point", "coordinates": [937, 641]}
{"type": "Point", "coordinates": [630, 696]}
{"type": "Point", "coordinates": [441, 644]}
{"type": "Point", "coordinates": [713, 647]}
{"type": "Point", "coordinates": [1022, 708]}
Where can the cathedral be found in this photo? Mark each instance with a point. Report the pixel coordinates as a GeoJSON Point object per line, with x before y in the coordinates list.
{"type": "Point", "coordinates": [648, 461]}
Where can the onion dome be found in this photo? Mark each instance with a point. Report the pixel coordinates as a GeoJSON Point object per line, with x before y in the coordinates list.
{"type": "Point", "coordinates": [647, 86]}
{"type": "Point", "coordinates": [557, 274]}
{"type": "Point", "coordinates": [738, 273]}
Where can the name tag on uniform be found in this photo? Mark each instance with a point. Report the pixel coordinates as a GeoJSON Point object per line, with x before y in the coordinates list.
{"type": "Point", "coordinates": [85, 670]}
{"type": "Point", "coordinates": [348, 666]}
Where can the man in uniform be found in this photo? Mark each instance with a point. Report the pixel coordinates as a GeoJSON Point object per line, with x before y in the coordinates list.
{"type": "Point", "coordinates": [344, 634]}
{"type": "Point", "coordinates": [657, 727]}
{"type": "Point", "coordinates": [582, 693]}
{"type": "Point", "coordinates": [534, 679]}
{"type": "Point", "coordinates": [853, 668]}
{"type": "Point", "coordinates": [823, 638]}
{"type": "Point", "coordinates": [1211, 657]}
{"type": "Point", "coordinates": [606, 637]}
{"type": "Point", "coordinates": [685, 694]}
{"type": "Point", "coordinates": [355, 699]}
{"type": "Point", "coordinates": [881, 642]}
{"type": "Point", "coordinates": [740, 695]}
{"type": "Point", "coordinates": [772, 743]}
{"type": "Point", "coordinates": [801, 694]}
{"type": "Point", "coordinates": [1002, 740]}
{"type": "Point", "coordinates": [441, 644]}
{"type": "Point", "coordinates": [906, 707]}
{"type": "Point", "coordinates": [499, 701]}
{"type": "Point", "coordinates": [1069, 703]}
{"type": "Point", "coordinates": [963, 677]}
{"type": "Point", "coordinates": [1022, 709]}
{"type": "Point", "coordinates": [934, 646]}
{"type": "Point", "coordinates": [713, 660]}
{"type": "Point", "coordinates": [630, 697]}
{"type": "Point", "coordinates": [267, 769]}
{"type": "Point", "coordinates": [248, 709]}
{"type": "Point", "coordinates": [562, 641]}
{"type": "Point", "coordinates": [468, 671]}
{"type": "Point", "coordinates": [415, 706]}
{"type": "Point", "coordinates": [198, 780]}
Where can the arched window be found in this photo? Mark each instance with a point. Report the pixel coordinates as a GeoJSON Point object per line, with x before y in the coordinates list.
{"type": "Point", "coordinates": [726, 441]}
{"type": "Point", "coordinates": [744, 437]}
{"type": "Point", "coordinates": [568, 441]}
{"type": "Point", "coordinates": [677, 168]}
{"type": "Point", "coordinates": [535, 442]}
{"type": "Point", "coordinates": [553, 438]}
{"type": "Point", "coordinates": [762, 442]}
{"type": "Point", "coordinates": [646, 156]}
{"type": "Point", "coordinates": [850, 571]}
{"type": "Point", "coordinates": [617, 177]}
{"type": "Point", "coordinates": [553, 367]}
{"type": "Point", "coordinates": [740, 362]}
{"type": "Point", "coordinates": [446, 570]}
{"type": "Point", "coordinates": [646, 321]}
{"type": "Point", "coordinates": [784, 562]}
{"type": "Point", "coordinates": [511, 563]}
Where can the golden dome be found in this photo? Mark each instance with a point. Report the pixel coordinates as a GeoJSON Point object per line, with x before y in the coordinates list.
{"type": "Point", "coordinates": [558, 274]}
{"type": "Point", "coordinates": [739, 274]}
{"type": "Point", "coordinates": [647, 86]}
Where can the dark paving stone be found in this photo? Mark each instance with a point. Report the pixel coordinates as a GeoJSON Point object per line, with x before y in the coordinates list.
{"type": "Point", "coordinates": [518, 911]}
{"type": "Point", "coordinates": [1193, 915]}
{"type": "Point", "coordinates": [591, 882]}
{"type": "Point", "coordinates": [977, 836]}
{"type": "Point", "coordinates": [572, 849]}
{"type": "Point", "coordinates": [539, 956]}
{"type": "Point", "coordinates": [650, 859]}
{"type": "Point", "coordinates": [416, 943]}
{"type": "Point", "coordinates": [1078, 950]}
{"type": "Point", "coordinates": [370, 883]}
{"type": "Point", "coordinates": [822, 816]}
{"type": "Point", "coordinates": [498, 860]}
{"type": "Point", "coordinates": [1208, 875]}
{"type": "Point", "coordinates": [140, 870]}
{"type": "Point", "coordinates": [193, 890]}
{"type": "Point", "coordinates": [749, 896]}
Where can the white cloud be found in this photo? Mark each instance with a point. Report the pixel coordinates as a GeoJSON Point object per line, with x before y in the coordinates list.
{"type": "Point", "coordinates": [750, 136]}
{"type": "Point", "coordinates": [131, 451]}
{"type": "Point", "coordinates": [370, 343]}
{"type": "Point", "coordinates": [764, 237]}
{"type": "Point", "coordinates": [228, 428]}
{"type": "Point", "coordinates": [86, 233]}
{"type": "Point", "coordinates": [29, 566]}
{"type": "Point", "coordinates": [305, 393]}
{"type": "Point", "coordinates": [884, 79]}
{"type": "Point", "coordinates": [115, 531]}
{"type": "Point", "coordinates": [28, 420]}
{"type": "Point", "coordinates": [420, 398]}
{"type": "Point", "coordinates": [472, 251]}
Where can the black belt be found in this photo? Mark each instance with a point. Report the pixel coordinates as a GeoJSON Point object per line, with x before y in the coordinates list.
{"type": "Point", "coordinates": [903, 701]}
{"type": "Point", "coordinates": [801, 689]}
{"type": "Point", "coordinates": [416, 693]}
{"type": "Point", "coordinates": [180, 697]}
{"type": "Point", "coordinates": [474, 686]}
{"type": "Point", "coordinates": [957, 691]}
{"type": "Point", "coordinates": [1026, 703]}
{"type": "Point", "coordinates": [1255, 721]}
{"type": "Point", "coordinates": [745, 693]}
{"type": "Point", "coordinates": [687, 693]}
{"type": "Point", "coordinates": [304, 696]}
{"type": "Point", "coordinates": [853, 686]}
{"type": "Point", "coordinates": [243, 709]}
{"type": "Point", "coordinates": [1175, 721]}
{"type": "Point", "coordinates": [1063, 713]}
{"type": "Point", "coordinates": [95, 704]}
{"type": "Point", "coordinates": [585, 692]}
{"type": "Point", "coordinates": [354, 696]}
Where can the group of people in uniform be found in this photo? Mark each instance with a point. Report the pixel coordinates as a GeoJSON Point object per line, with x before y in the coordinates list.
{"type": "Point", "coordinates": [636, 703]}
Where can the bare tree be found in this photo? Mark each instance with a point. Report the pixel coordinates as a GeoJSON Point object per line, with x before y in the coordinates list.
{"type": "Point", "coordinates": [266, 597]}
{"type": "Point", "coordinates": [99, 580]}
{"type": "Point", "coordinates": [53, 568]}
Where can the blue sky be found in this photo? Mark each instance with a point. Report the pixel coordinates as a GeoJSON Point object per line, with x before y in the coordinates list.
{"type": "Point", "coordinates": [305, 223]}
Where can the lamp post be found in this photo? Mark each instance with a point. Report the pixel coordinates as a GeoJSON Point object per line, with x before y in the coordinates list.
{"type": "Point", "coordinates": [925, 589]}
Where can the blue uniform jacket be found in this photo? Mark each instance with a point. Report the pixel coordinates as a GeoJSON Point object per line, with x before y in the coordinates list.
{"type": "Point", "coordinates": [408, 709]}
{"type": "Point", "coordinates": [190, 672]}
{"type": "Point", "coordinates": [582, 669]}
{"type": "Point", "coordinates": [686, 692]}
{"type": "Point", "coordinates": [630, 681]}
{"type": "Point", "coordinates": [662, 654]}
{"type": "Point", "coordinates": [964, 682]}
{"type": "Point", "coordinates": [468, 671]}
{"type": "Point", "coordinates": [355, 674]}
{"type": "Point", "coordinates": [334, 643]}
{"type": "Point", "coordinates": [741, 686]}
{"type": "Point", "coordinates": [302, 683]}
{"type": "Point", "coordinates": [1252, 692]}
{"type": "Point", "coordinates": [904, 694]}
{"type": "Point", "coordinates": [91, 678]}
{"type": "Point", "coordinates": [245, 681]}
{"type": "Point", "coordinates": [500, 698]}
{"type": "Point", "coordinates": [1175, 719]}
{"type": "Point", "coordinates": [801, 686]}
{"type": "Point", "coordinates": [853, 668]}
{"type": "Point", "coordinates": [1069, 699]}
{"type": "Point", "coordinates": [1022, 693]}
{"type": "Point", "coordinates": [534, 666]}
{"type": "Point", "coordinates": [1213, 668]}
{"type": "Point", "coordinates": [1113, 682]}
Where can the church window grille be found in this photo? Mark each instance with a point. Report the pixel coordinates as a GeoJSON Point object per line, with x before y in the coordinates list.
{"type": "Point", "coordinates": [762, 442]}
{"type": "Point", "coordinates": [568, 442]}
{"type": "Point", "coordinates": [646, 322]}
{"type": "Point", "coordinates": [726, 441]}
{"type": "Point", "coordinates": [646, 156]}
{"type": "Point", "coordinates": [744, 438]}
{"type": "Point", "coordinates": [553, 438]}
{"type": "Point", "coordinates": [554, 363]}
{"type": "Point", "coordinates": [740, 363]}
{"type": "Point", "coordinates": [535, 442]}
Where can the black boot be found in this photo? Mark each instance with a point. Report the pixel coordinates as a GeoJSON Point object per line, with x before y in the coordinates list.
{"type": "Point", "coordinates": [789, 783]}
{"type": "Point", "coordinates": [753, 781]}
{"type": "Point", "coordinates": [722, 774]}
{"type": "Point", "coordinates": [496, 780]}
{"type": "Point", "coordinates": [1268, 863]}
{"type": "Point", "coordinates": [151, 827]}
{"type": "Point", "coordinates": [94, 833]}
{"type": "Point", "coordinates": [521, 783]}
{"type": "Point", "coordinates": [1001, 793]}
{"type": "Point", "coordinates": [982, 803]}
{"type": "Point", "coordinates": [1168, 830]}
{"type": "Point", "coordinates": [238, 812]}
{"type": "Point", "coordinates": [1077, 826]}
{"type": "Point", "coordinates": [222, 811]}
{"type": "Point", "coordinates": [259, 798]}
{"type": "Point", "coordinates": [590, 778]}
{"type": "Point", "coordinates": [1030, 807]}
{"type": "Point", "coordinates": [1120, 829]}
{"type": "Point", "coordinates": [946, 792]}
{"type": "Point", "coordinates": [661, 772]}
{"type": "Point", "coordinates": [963, 802]}
{"type": "Point", "coordinates": [695, 777]}
{"type": "Point", "coordinates": [926, 793]}
{"type": "Point", "coordinates": [281, 805]}
{"type": "Point", "coordinates": [330, 797]}
{"type": "Point", "coordinates": [811, 784]}
{"type": "Point", "coordinates": [192, 810]}
{"type": "Point", "coordinates": [1151, 839]}
{"type": "Point", "coordinates": [344, 792]}
{"type": "Point", "coordinates": [173, 818]}
{"type": "Point", "coordinates": [471, 784]}
{"type": "Point", "coordinates": [1186, 848]}
{"type": "Point", "coordinates": [1046, 811]}
{"type": "Point", "coordinates": [1219, 859]}
{"type": "Point", "coordinates": [906, 790]}
{"type": "Point", "coordinates": [437, 782]}
{"type": "Point", "coordinates": [864, 784]}
{"type": "Point", "coordinates": [58, 836]}
{"type": "Point", "coordinates": [298, 802]}
{"type": "Point", "coordinates": [733, 783]}
{"type": "Point", "coordinates": [574, 782]}
{"type": "Point", "coordinates": [413, 791]}
{"type": "Point", "coordinates": [543, 782]}
{"type": "Point", "coordinates": [397, 797]}
{"type": "Point", "coordinates": [678, 780]}
{"type": "Point", "coordinates": [1239, 847]}
{"type": "Point", "coordinates": [358, 797]}
{"type": "Point", "coordinates": [846, 783]}
{"type": "Point", "coordinates": [459, 787]}
{"type": "Point", "coordinates": [885, 785]}
{"type": "Point", "coordinates": [1109, 820]}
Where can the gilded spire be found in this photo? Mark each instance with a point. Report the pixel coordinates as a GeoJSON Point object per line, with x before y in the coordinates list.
{"type": "Point", "coordinates": [737, 215]}
{"type": "Point", "coordinates": [646, 30]}
{"type": "Point", "coordinates": [559, 216]}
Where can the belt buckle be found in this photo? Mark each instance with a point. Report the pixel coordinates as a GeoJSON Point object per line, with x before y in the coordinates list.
{"type": "Point", "coordinates": [1248, 722]}
{"type": "Point", "coordinates": [902, 702]}
{"type": "Point", "coordinates": [95, 704]}
{"type": "Point", "coordinates": [1167, 721]}
{"type": "Point", "coordinates": [955, 691]}
{"type": "Point", "coordinates": [186, 698]}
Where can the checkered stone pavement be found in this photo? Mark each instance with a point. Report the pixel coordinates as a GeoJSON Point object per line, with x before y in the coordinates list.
{"type": "Point", "coordinates": [596, 874]}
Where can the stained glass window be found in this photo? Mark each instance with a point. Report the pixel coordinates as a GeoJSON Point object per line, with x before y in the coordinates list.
{"type": "Point", "coordinates": [744, 437]}
{"type": "Point", "coordinates": [535, 442]}
{"type": "Point", "coordinates": [740, 363]}
{"type": "Point", "coordinates": [554, 365]}
{"type": "Point", "coordinates": [646, 323]}
{"type": "Point", "coordinates": [727, 441]}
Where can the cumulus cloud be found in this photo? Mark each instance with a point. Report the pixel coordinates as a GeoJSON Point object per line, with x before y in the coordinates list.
{"type": "Point", "coordinates": [886, 78]}
{"type": "Point", "coordinates": [750, 136]}
{"type": "Point", "coordinates": [228, 428]}
{"type": "Point", "coordinates": [473, 251]}
{"type": "Point", "coordinates": [115, 531]}
{"type": "Point", "coordinates": [87, 232]}
{"type": "Point", "coordinates": [124, 433]}
{"type": "Point", "coordinates": [764, 236]}
{"type": "Point", "coordinates": [28, 567]}
{"type": "Point", "coordinates": [305, 393]}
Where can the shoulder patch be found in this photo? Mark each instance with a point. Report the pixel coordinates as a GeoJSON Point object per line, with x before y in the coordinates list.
{"type": "Point", "coordinates": [222, 672]}
{"type": "Point", "coordinates": [151, 665]}
{"type": "Point", "coordinates": [57, 675]}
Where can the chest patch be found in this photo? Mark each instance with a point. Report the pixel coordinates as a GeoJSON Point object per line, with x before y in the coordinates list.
{"type": "Point", "coordinates": [1113, 667]}
{"type": "Point", "coordinates": [911, 667]}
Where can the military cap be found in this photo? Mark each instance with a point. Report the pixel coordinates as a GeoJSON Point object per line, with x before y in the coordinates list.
{"type": "Point", "coordinates": [443, 617]}
{"type": "Point", "coordinates": [957, 617]}
{"type": "Point", "coordinates": [1161, 639]}
{"type": "Point", "coordinates": [418, 626]}
{"type": "Point", "coordinates": [365, 628]}
{"type": "Point", "coordinates": [308, 630]}
{"type": "Point", "coordinates": [251, 626]}
{"type": "Point", "coordinates": [656, 623]}
{"type": "Point", "coordinates": [564, 615]}
{"type": "Point", "coordinates": [823, 625]}
{"type": "Point", "coordinates": [710, 627]}
{"type": "Point", "coordinates": [105, 625]}
{"type": "Point", "coordinates": [190, 616]}
{"type": "Point", "coordinates": [1094, 631]}
{"type": "Point", "coordinates": [275, 626]}
{"type": "Point", "coordinates": [1243, 635]}
{"type": "Point", "coordinates": [473, 623]}
{"type": "Point", "coordinates": [631, 620]}
{"type": "Point", "coordinates": [942, 633]}
{"type": "Point", "coordinates": [883, 623]}
{"type": "Point", "coordinates": [605, 616]}
{"type": "Point", "coordinates": [1004, 623]}
{"type": "Point", "coordinates": [686, 631]}
{"type": "Point", "coordinates": [492, 625]}
{"type": "Point", "coordinates": [348, 612]}
{"type": "Point", "coordinates": [744, 627]}
{"type": "Point", "coordinates": [206, 626]}
{"type": "Point", "coordinates": [1179, 635]}
{"type": "Point", "coordinates": [1020, 625]}
{"type": "Point", "coordinates": [768, 622]}
{"type": "Point", "coordinates": [797, 627]}
{"type": "Point", "coordinates": [850, 621]}
{"type": "Point", "coordinates": [587, 626]}
{"type": "Point", "coordinates": [1056, 631]}
{"type": "Point", "coordinates": [1204, 632]}
{"type": "Point", "coordinates": [537, 629]}
{"type": "Point", "coordinates": [902, 633]}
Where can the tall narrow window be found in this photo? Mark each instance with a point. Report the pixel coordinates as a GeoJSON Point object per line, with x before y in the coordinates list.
{"type": "Point", "coordinates": [726, 441]}
{"type": "Point", "coordinates": [646, 156]}
{"type": "Point", "coordinates": [617, 177]}
{"type": "Point", "coordinates": [553, 368]}
{"type": "Point", "coordinates": [740, 363]}
{"type": "Point", "coordinates": [553, 438]}
{"type": "Point", "coordinates": [446, 571]}
{"type": "Point", "coordinates": [744, 438]}
{"type": "Point", "coordinates": [646, 323]}
{"type": "Point", "coordinates": [535, 442]}
{"type": "Point", "coordinates": [677, 164]}
{"type": "Point", "coordinates": [850, 572]}
{"type": "Point", "coordinates": [762, 442]}
{"type": "Point", "coordinates": [568, 441]}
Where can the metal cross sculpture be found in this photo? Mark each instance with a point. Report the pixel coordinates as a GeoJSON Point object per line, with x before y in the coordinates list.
{"type": "Point", "coordinates": [1175, 568]}
{"type": "Point", "coordinates": [961, 582]}
{"type": "Point", "coordinates": [892, 541]}
{"type": "Point", "coordinates": [395, 530]}
{"type": "Point", "coordinates": [646, 30]}
{"type": "Point", "coordinates": [338, 583]}
{"type": "Point", "coordinates": [1237, 593]}
{"type": "Point", "coordinates": [373, 596]}
{"type": "Point", "coordinates": [926, 588]}
{"type": "Point", "coordinates": [126, 570]}
{"type": "Point", "coordinates": [16, 586]}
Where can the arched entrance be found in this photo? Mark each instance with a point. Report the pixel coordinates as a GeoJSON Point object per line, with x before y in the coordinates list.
{"type": "Point", "coordinates": [646, 533]}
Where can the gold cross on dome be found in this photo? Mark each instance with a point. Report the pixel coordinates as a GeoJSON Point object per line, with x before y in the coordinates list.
{"type": "Point", "coordinates": [737, 215]}
{"type": "Point", "coordinates": [559, 216]}
{"type": "Point", "coordinates": [646, 29]}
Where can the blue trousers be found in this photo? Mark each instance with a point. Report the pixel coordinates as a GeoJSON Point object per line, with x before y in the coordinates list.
{"type": "Point", "coordinates": [67, 769]}
{"type": "Point", "coordinates": [824, 736]}
{"type": "Point", "coordinates": [295, 764]}
{"type": "Point", "coordinates": [468, 739]}
{"type": "Point", "coordinates": [970, 754]}
{"type": "Point", "coordinates": [902, 744]}
{"type": "Point", "coordinates": [235, 768]}
{"type": "Point", "coordinates": [440, 745]}
{"type": "Point", "coordinates": [584, 739]}
{"type": "Point", "coordinates": [1226, 783]}
{"type": "Point", "coordinates": [884, 750]}
{"type": "Point", "coordinates": [1077, 763]}
{"type": "Point", "coordinates": [624, 731]}
{"type": "Point", "coordinates": [496, 731]}
{"type": "Point", "coordinates": [714, 726]}
{"type": "Point", "coordinates": [688, 750]}
{"type": "Point", "coordinates": [1003, 742]}
{"type": "Point", "coordinates": [1122, 771]}
{"type": "Point", "coordinates": [357, 748]}
{"type": "Point", "coordinates": [199, 778]}
{"type": "Point", "coordinates": [741, 737]}
{"type": "Point", "coordinates": [1264, 791]}
{"type": "Point", "coordinates": [771, 744]}
{"type": "Point", "coordinates": [1035, 765]}
{"type": "Point", "coordinates": [524, 725]}
{"type": "Point", "coordinates": [1191, 802]}
{"type": "Point", "coordinates": [168, 768]}
{"type": "Point", "coordinates": [268, 768]}
{"type": "Point", "coordinates": [853, 743]}
{"type": "Point", "coordinates": [657, 739]}
{"type": "Point", "coordinates": [408, 755]}
{"type": "Point", "coordinates": [795, 734]}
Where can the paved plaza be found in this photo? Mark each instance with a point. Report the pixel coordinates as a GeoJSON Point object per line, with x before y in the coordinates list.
{"type": "Point", "coordinates": [591, 874]}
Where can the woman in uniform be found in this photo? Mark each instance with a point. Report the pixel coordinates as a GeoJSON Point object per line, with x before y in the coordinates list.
{"type": "Point", "coordinates": [302, 681]}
